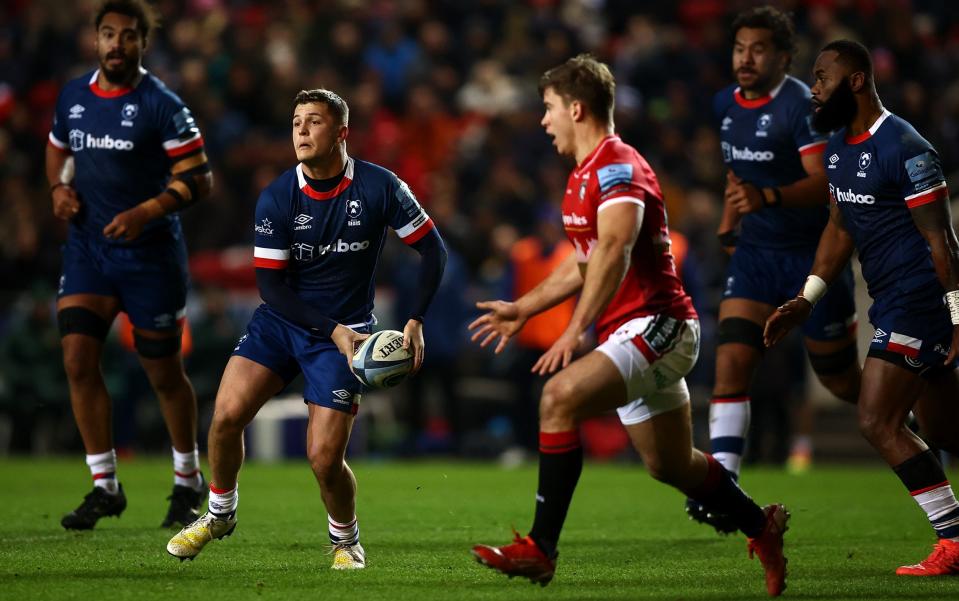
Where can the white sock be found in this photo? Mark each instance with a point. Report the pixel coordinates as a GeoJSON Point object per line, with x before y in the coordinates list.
{"type": "Point", "coordinates": [344, 534]}
{"type": "Point", "coordinates": [223, 502]}
{"type": "Point", "coordinates": [103, 467]}
{"type": "Point", "coordinates": [941, 508]}
{"type": "Point", "coordinates": [186, 469]}
{"type": "Point", "coordinates": [728, 424]}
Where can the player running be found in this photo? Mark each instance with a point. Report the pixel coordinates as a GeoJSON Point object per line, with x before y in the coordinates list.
{"type": "Point", "coordinates": [648, 331]}
{"type": "Point", "coordinates": [319, 231]}
{"type": "Point", "coordinates": [890, 202]}
{"type": "Point", "coordinates": [137, 157]}
{"type": "Point", "coordinates": [777, 186]}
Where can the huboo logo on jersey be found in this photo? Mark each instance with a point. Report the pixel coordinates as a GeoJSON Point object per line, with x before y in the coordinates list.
{"type": "Point", "coordinates": [354, 208]}
{"type": "Point", "coordinates": [731, 153]}
{"type": "Point", "coordinates": [850, 196]}
{"type": "Point", "coordinates": [342, 246]}
{"type": "Point", "coordinates": [865, 159]}
{"type": "Point", "coordinates": [832, 161]}
{"type": "Point", "coordinates": [128, 113]}
{"type": "Point", "coordinates": [79, 140]}
{"type": "Point", "coordinates": [302, 222]}
{"type": "Point", "coordinates": [76, 112]}
{"type": "Point", "coordinates": [762, 124]}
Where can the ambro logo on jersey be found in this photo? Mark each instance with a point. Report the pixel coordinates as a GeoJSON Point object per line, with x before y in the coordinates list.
{"type": "Point", "coordinates": [850, 196]}
{"type": "Point", "coordinates": [731, 153]}
{"type": "Point", "coordinates": [79, 141]}
{"type": "Point", "coordinates": [302, 222]}
{"type": "Point", "coordinates": [832, 162]}
{"type": "Point", "coordinates": [76, 112]}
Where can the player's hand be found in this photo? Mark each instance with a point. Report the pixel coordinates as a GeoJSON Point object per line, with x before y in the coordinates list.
{"type": "Point", "coordinates": [502, 320]}
{"type": "Point", "coordinates": [742, 196]}
{"type": "Point", "coordinates": [559, 355]}
{"type": "Point", "coordinates": [954, 349]}
{"type": "Point", "coordinates": [413, 342]}
{"type": "Point", "coordinates": [347, 341]}
{"type": "Point", "coordinates": [785, 318]}
{"type": "Point", "coordinates": [66, 203]}
{"type": "Point", "coordinates": [128, 224]}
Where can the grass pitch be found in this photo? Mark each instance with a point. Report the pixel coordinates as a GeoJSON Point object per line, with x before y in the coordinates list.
{"type": "Point", "coordinates": [626, 537]}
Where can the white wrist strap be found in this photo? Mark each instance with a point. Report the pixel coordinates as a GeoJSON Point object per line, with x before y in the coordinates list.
{"type": "Point", "coordinates": [952, 301]}
{"type": "Point", "coordinates": [814, 289]}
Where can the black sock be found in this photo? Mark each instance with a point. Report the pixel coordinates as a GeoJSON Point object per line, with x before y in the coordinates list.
{"type": "Point", "coordinates": [720, 493]}
{"type": "Point", "coordinates": [920, 472]}
{"type": "Point", "coordinates": [560, 464]}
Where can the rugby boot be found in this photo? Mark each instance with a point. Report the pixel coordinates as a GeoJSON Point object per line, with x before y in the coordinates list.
{"type": "Point", "coordinates": [349, 557]}
{"type": "Point", "coordinates": [769, 547]}
{"type": "Point", "coordinates": [943, 561]}
{"type": "Point", "coordinates": [188, 543]}
{"type": "Point", "coordinates": [185, 505]}
{"type": "Point", "coordinates": [97, 504]}
{"type": "Point", "coordinates": [522, 557]}
{"type": "Point", "coordinates": [720, 521]}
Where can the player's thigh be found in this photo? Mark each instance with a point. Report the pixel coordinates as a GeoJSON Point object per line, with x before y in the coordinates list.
{"type": "Point", "coordinates": [887, 394]}
{"type": "Point", "coordinates": [664, 441]}
{"type": "Point", "coordinates": [585, 388]}
{"type": "Point", "coordinates": [84, 321]}
{"type": "Point", "coordinates": [938, 409]}
{"type": "Point", "coordinates": [327, 435]}
{"type": "Point", "coordinates": [152, 285]}
{"type": "Point", "coordinates": [245, 386]}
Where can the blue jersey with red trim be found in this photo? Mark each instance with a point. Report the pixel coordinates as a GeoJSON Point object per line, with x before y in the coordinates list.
{"type": "Point", "coordinates": [329, 242]}
{"type": "Point", "coordinates": [763, 140]}
{"type": "Point", "coordinates": [875, 178]}
{"type": "Point", "coordinates": [123, 143]}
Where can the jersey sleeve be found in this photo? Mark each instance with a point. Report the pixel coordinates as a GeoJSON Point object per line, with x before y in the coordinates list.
{"type": "Point", "coordinates": [919, 173]}
{"type": "Point", "coordinates": [59, 134]}
{"type": "Point", "coordinates": [619, 182]}
{"type": "Point", "coordinates": [806, 138]}
{"type": "Point", "coordinates": [271, 233]}
{"type": "Point", "coordinates": [178, 129]}
{"type": "Point", "coordinates": [405, 215]}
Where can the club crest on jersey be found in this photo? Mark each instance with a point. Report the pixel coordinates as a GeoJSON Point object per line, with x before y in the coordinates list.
{"type": "Point", "coordinates": [76, 112]}
{"type": "Point", "coordinates": [129, 113]}
{"type": "Point", "coordinates": [762, 124]}
{"type": "Point", "coordinates": [727, 121]}
{"type": "Point", "coordinates": [865, 159]}
{"type": "Point", "coordinates": [265, 227]}
{"type": "Point", "coordinates": [582, 190]}
{"type": "Point", "coordinates": [302, 251]}
{"type": "Point", "coordinates": [302, 222]}
{"type": "Point", "coordinates": [354, 208]}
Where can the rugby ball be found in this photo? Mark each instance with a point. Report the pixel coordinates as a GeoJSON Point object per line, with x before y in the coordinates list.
{"type": "Point", "coordinates": [381, 361]}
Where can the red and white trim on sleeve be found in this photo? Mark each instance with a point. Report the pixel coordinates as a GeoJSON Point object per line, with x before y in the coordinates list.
{"type": "Point", "coordinates": [812, 148]}
{"type": "Point", "coordinates": [416, 229]}
{"type": "Point", "coordinates": [316, 194]}
{"type": "Point", "coordinates": [904, 345]}
{"type": "Point", "coordinates": [620, 199]}
{"type": "Point", "coordinates": [270, 258]}
{"type": "Point", "coordinates": [177, 147]}
{"type": "Point", "coordinates": [53, 141]}
{"type": "Point", "coordinates": [930, 195]}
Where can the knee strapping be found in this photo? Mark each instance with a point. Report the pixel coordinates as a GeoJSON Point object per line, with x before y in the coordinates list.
{"type": "Point", "coordinates": [80, 320]}
{"type": "Point", "coordinates": [741, 331]}
{"type": "Point", "coordinates": [156, 348]}
{"type": "Point", "coordinates": [828, 364]}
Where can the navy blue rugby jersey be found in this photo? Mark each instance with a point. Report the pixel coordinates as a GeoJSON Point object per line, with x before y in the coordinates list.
{"type": "Point", "coordinates": [875, 178]}
{"type": "Point", "coordinates": [329, 242]}
{"type": "Point", "coordinates": [763, 140]}
{"type": "Point", "coordinates": [123, 144]}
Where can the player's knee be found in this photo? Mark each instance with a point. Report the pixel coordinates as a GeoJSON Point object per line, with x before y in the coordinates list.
{"type": "Point", "coordinates": [326, 463]}
{"type": "Point", "coordinates": [875, 428]}
{"type": "Point", "coordinates": [156, 348]}
{"type": "Point", "coordinates": [228, 419]}
{"type": "Point", "coordinates": [668, 470]}
{"type": "Point", "coordinates": [739, 330]}
{"type": "Point", "coordinates": [838, 371]}
{"type": "Point", "coordinates": [556, 398]}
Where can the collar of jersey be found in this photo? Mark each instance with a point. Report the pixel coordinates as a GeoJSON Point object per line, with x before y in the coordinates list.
{"type": "Point", "coordinates": [592, 155]}
{"type": "Point", "coordinates": [96, 89]}
{"type": "Point", "coordinates": [871, 131]}
{"type": "Point", "coordinates": [316, 194]}
{"type": "Point", "coordinates": [755, 103]}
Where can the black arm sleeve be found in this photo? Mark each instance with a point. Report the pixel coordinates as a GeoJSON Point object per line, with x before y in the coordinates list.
{"type": "Point", "coordinates": [432, 263]}
{"type": "Point", "coordinates": [282, 298]}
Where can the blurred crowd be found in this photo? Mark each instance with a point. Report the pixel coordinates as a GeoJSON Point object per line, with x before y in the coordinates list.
{"type": "Point", "coordinates": [443, 93]}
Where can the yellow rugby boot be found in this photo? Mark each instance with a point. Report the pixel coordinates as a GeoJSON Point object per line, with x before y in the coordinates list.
{"type": "Point", "coordinates": [349, 557]}
{"type": "Point", "coordinates": [188, 543]}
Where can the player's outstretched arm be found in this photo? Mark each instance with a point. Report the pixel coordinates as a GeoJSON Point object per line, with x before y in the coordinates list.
{"type": "Point", "coordinates": [191, 180]}
{"type": "Point", "coordinates": [617, 227]}
{"type": "Point", "coordinates": [934, 222]}
{"type": "Point", "coordinates": [834, 251]}
{"type": "Point", "coordinates": [66, 204]}
{"type": "Point", "coordinates": [503, 319]}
